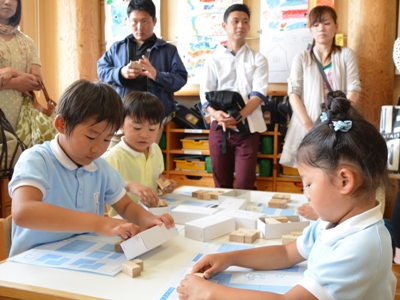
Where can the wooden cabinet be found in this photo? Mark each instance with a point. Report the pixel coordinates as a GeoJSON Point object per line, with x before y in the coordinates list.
{"type": "Point", "coordinates": [5, 200]}
{"type": "Point", "coordinates": [274, 182]}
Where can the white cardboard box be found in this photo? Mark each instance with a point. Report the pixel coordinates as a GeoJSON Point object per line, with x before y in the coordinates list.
{"type": "Point", "coordinates": [186, 213]}
{"type": "Point", "coordinates": [157, 210]}
{"type": "Point", "coordinates": [243, 218]}
{"type": "Point", "coordinates": [275, 231]}
{"type": "Point", "coordinates": [210, 227]}
{"type": "Point", "coordinates": [147, 240]}
{"type": "Point", "coordinates": [233, 203]}
{"type": "Point", "coordinates": [242, 194]}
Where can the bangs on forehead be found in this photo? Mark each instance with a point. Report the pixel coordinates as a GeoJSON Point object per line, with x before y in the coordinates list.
{"type": "Point", "coordinates": [320, 14]}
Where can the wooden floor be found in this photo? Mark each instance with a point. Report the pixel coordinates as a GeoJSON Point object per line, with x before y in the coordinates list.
{"type": "Point", "coordinates": [396, 272]}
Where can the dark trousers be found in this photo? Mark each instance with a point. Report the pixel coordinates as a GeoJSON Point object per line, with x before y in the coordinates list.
{"type": "Point", "coordinates": [241, 156]}
{"type": "Point", "coordinates": [396, 219]}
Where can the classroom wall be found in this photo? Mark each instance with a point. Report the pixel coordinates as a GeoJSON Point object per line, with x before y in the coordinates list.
{"type": "Point", "coordinates": [170, 29]}
{"type": "Point", "coordinates": [42, 21]}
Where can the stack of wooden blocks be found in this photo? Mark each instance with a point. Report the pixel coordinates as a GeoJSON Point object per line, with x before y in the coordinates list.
{"type": "Point", "coordinates": [206, 194]}
{"type": "Point", "coordinates": [244, 235]}
{"type": "Point", "coordinates": [279, 201]}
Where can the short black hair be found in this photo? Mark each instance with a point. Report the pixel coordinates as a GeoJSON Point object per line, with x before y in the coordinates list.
{"type": "Point", "coordinates": [16, 18]}
{"type": "Point", "coordinates": [146, 5]}
{"type": "Point", "coordinates": [143, 106]}
{"type": "Point", "coordinates": [236, 7]}
{"type": "Point", "coordinates": [85, 99]}
{"type": "Point", "coordinates": [362, 147]}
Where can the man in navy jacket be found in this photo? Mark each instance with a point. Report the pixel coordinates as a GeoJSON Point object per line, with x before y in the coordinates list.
{"type": "Point", "coordinates": [158, 68]}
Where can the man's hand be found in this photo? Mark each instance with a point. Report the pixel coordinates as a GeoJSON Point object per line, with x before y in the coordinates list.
{"type": "Point", "coordinates": [147, 68]}
{"type": "Point", "coordinates": [129, 73]}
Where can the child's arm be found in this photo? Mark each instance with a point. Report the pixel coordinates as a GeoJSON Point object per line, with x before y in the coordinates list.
{"type": "Point", "coordinates": [146, 194]}
{"type": "Point", "coordinates": [28, 210]}
{"type": "Point", "coordinates": [169, 189]}
{"type": "Point", "coordinates": [136, 214]}
{"type": "Point", "coordinates": [263, 258]}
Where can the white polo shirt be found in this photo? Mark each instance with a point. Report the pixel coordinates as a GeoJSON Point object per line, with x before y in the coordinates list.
{"type": "Point", "coordinates": [350, 261]}
{"type": "Point", "coordinates": [64, 184]}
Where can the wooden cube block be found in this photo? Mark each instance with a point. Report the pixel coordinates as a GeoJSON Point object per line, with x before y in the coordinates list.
{"type": "Point", "coordinates": [201, 275]}
{"type": "Point", "coordinates": [196, 194]}
{"type": "Point", "coordinates": [204, 196]}
{"type": "Point", "coordinates": [131, 269]}
{"type": "Point", "coordinates": [244, 235]}
{"type": "Point", "coordinates": [236, 236]}
{"type": "Point", "coordinates": [118, 248]}
{"type": "Point", "coordinates": [281, 196]}
{"type": "Point", "coordinates": [287, 238]}
{"type": "Point", "coordinates": [138, 262]}
{"type": "Point", "coordinates": [277, 203]}
{"type": "Point", "coordinates": [162, 203]}
{"type": "Point", "coordinates": [215, 194]}
{"type": "Point", "coordinates": [296, 233]}
{"type": "Point", "coordinates": [281, 219]}
{"type": "Point", "coordinates": [163, 183]}
{"type": "Point", "coordinates": [271, 221]}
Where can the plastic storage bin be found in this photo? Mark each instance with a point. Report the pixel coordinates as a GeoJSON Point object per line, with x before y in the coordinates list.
{"type": "Point", "coordinates": [195, 144]}
{"type": "Point", "coordinates": [195, 165]}
{"type": "Point", "coordinates": [265, 167]}
{"type": "Point", "coordinates": [267, 145]}
{"type": "Point", "coordinates": [290, 171]}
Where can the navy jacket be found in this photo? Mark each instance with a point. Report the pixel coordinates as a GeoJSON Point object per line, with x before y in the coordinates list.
{"type": "Point", "coordinates": [171, 73]}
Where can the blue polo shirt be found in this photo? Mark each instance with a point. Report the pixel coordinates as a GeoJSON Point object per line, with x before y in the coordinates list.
{"type": "Point", "coordinates": [64, 184]}
{"type": "Point", "coordinates": [352, 260]}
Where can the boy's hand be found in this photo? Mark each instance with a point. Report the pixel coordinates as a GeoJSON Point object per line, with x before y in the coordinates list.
{"type": "Point", "coordinates": [169, 189]}
{"type": "Point", "coordinates": [117, 227]}
{"type": "Point", "coordinates": [151, 221]}
{"type": "Point", "coordinates": [212, 264]}
{"type": "Point", "coordinates": [146, 195]}
{"type": "Point", "coordinates": [194, 287]}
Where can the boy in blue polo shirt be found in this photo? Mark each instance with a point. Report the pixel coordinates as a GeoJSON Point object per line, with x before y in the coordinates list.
{"type": "Point", "coordinates": [59, 188]}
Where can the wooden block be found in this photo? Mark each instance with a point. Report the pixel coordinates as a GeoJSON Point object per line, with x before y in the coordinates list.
{"type": "Point", "coordinates": [277, 203]}
{"type": "Point", "coordinates": [162, 203]}
{"type": "Point", "coordinates": [296, 233]}
{"type": "Point", "coordinates": [138, 262]}
{"type": "Point", "coordinates": [236, 236]}
{"type": "Point", "coordinates": [287, 238]}
{"type": "Point", "coordinates": [271, 221]}
{"type": "Point", "coordinates": [117, 247]}
{"type": "Point", "coordinates": [131, 269]}
{"type": "Point", "coordinates": [244, 235]}
{"type": "Point", "coordinates": [281, 197]}
{"type": "Point", "coordinates": [215, 194]}
{"type": "Point", "coordinates": [204, 196]}
{"type": "Point", "coordinates": [201, 275]}
{"type": "Point", "coordinates": [163, 183]}
{"type": "Point", "coordinates": [281, 219]}
{"type": "Point", "coordinates": [195, 194]}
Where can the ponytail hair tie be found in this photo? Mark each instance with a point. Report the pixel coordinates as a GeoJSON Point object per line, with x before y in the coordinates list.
{"type": "Point", "coordinates": [323, 117]}
{"type": "Point", "coordinates": [343, 126]}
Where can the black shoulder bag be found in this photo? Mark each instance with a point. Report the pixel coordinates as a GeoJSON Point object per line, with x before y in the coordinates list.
{"type": "Point", "coordinates": [231, 103]}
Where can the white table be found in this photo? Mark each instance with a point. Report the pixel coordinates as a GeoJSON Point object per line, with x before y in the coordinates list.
{"type": "Point", "coordinates": [22, 281]}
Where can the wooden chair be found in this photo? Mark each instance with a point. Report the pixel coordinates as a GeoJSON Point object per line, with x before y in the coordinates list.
{"type": "Point", "coordinates": [5, 237]}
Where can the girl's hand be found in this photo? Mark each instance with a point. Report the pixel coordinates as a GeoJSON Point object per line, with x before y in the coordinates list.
{"type": "Point", "coordinates": [194, 287]}
{"type": "Point", "coordinates": [307, 212]}
{"type": "Point", "coordinates": [212, 264]}
{"type": "Point", "coordinates": [117, 227]}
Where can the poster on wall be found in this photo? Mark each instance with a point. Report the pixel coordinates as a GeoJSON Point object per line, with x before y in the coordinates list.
{"type": "Point", "coordinates": [200, 32]}
{"type": "Point", "coordinates": [117, 22]}
{"type": "Point", "coordinates": [285, 33]}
